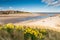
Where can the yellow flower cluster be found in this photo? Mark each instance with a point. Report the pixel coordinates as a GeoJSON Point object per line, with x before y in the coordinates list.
{"type": "Point", "coordinates": [32, 31]}
{"type": "Point", "coordinates": [36, 32]}
{"type": "Point", "coordinates": [18, 27]}
{"type": "Point", "coordinates": [28, 30]}
{"type": "Point", "coordinates": [9, 26]}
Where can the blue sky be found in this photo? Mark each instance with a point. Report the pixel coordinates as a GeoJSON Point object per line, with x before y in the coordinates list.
{"type": "Point", "coordinates": [31, 5]}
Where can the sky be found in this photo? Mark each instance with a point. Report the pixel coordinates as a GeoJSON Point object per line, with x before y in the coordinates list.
{"type": "Point", "coordinates": [31, 5]}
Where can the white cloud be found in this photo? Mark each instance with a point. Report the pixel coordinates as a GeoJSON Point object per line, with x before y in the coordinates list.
{"type": "Point", "coordinates": [52, 2]}
{"type": "Point", "coordinates": [10, 8]}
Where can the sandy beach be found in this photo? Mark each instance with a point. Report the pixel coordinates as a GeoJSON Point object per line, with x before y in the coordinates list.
{"type": "Point", "coordinates": [48, 23]}
{"type": "Point", "coordinates": [52, 23]}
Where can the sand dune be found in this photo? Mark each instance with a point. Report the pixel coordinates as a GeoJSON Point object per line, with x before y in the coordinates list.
{"type": "Point", "coordinates": [52, 23]}
{"type": "Point", "coordinates": [48, 23]}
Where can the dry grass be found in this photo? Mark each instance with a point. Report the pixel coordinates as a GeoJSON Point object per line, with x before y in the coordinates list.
{"type": "Point", "coordinates": [19, 34]}
{"type": "Point", "coordinates": [52, 35]}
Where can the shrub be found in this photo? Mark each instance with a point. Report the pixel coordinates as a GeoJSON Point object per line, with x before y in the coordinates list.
{"type": "Point", "coordinates": [19, 32]}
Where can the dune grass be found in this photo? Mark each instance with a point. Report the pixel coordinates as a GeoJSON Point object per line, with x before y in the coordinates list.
{"type": "Point", "coordinates": [19, 32]}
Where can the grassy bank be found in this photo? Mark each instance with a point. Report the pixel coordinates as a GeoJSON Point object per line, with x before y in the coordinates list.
{"type": "Point", "coordinates": [19, 32]}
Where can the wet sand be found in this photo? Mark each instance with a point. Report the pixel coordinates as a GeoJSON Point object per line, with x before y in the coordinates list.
{"type": "Point", "coordinates": [21, 18]}
{"type": "Point", "coordinates": [15, 18]}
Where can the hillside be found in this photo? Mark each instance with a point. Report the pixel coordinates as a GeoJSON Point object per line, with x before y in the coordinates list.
{"type": "Point", "coordinates": [13, 12]}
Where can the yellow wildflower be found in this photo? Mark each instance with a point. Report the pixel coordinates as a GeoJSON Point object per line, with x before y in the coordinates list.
{"type": "Point", "coordinates": [18, 27]}
{"type": "Point", "coordinates": [10, 26]}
